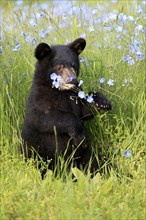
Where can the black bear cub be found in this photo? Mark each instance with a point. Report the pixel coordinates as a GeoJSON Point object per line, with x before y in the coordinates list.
{"type": "Point", "coordinates": [53, 124]}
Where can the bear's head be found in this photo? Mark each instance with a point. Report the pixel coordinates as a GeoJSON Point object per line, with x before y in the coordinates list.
{"type": "Point", "coordinates": [63, 60]}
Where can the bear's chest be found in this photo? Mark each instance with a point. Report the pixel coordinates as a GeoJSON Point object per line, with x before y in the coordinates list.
{"type": "Point", "coordinates": [69, 103]}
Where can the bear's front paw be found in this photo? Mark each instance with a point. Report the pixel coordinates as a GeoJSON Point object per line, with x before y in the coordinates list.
{"type": "Point", "coordinates": [101, 102]}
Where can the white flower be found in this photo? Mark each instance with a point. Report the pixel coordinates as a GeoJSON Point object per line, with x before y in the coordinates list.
{"type": "Point", "coordinates": [110, 82]}
{"type": "Point", "coordinates": [81, 94]}
{"type": "Point", "coordinates": [90, 98]}
{"type": "Point", "coordinates": [138, 28]}
{"type": "Point", "coordinates": [57, 80]}
{"type": "Point", "coordinates": [80, 83]}
{"type": "Point", "coordinates": [53, 76]}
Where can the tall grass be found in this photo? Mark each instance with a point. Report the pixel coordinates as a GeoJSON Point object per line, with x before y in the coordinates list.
{"type": "Point", "coordinates": [113, 30]}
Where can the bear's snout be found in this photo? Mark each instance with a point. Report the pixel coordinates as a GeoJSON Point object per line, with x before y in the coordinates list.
{"type": "Point", "coordinates": [68, 75]}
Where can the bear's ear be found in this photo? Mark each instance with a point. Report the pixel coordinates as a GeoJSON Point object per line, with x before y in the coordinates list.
{"type": "Point", "coordinates": [42, 50]}
{"type": "Point", "coordinates": [78, 45]}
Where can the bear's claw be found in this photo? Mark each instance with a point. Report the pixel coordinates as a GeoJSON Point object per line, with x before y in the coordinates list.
{"type": "Point", "coordinates": [101, 102]}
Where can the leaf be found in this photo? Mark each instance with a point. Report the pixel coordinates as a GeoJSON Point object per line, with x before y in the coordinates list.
{"type": "Point", "coordinates": [96, 181]}
{"type": "Point", "coordinates": [77, 173]}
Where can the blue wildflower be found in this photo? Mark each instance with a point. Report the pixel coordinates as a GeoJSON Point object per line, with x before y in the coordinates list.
{"type": "Point", "coordinates": [118, 28]}
{"type": "Point", "coordinates": [114, 1]}
{"type": "Point", "coordinates": [16, 47]}
{"type": "Point", "coordinates": [113, 15]}
{"type": "Point", "coordinates": [82, 60]}
{"type": "Point", "coordinates": [83, 35]}
{"type": "Point", "coordinates": [129, 60]}
{"type": "Point", "coordinates": [41, 15]}
{"type": "Point", "coordinates": [10, 95]}
{"type": "Point", "coordinates": [28, 39]}
{"type": "Point", "coordinates": [80, 83]}
{"type": "Point", "coordinates": [122, 18]}
{"type": "Point", "coordinates": [23, 34]}
{"type": "Point", "coordinates": [135, 47]}
{"type": "Point", "coordinates": [81, 95]}
{"type": "Point", "coordinates": [10, 60]}
{"type": "Point", "coordinates": [130, 18]}
{"type": "Point", "coordinates": [94, 11]}
{"type": "Point", "coordinates": [139, 55]}
{"type": "Point", "coordinates": [64, 17]}
{"type": "Point", "coordinates": [138, 28]}
{"type": "Point", "coordinates": [87, 64]}
{"type": "Point", "coordinates": [90, 98]}
{"type": "Point", "coordinates": [57, 80]}
{"type": "Point", "coordinates": [119, 47]}
{"type": "Point", "coordinates": [43, 33]}
{"type": "Point", "coordinates": [127, 154]}
{"type": "Point", "coordinates": [70, 78]}
{"type": "Point", "coordinates": [126, 58]}
{"type": "Point", "coordinates": [19, 2]}
{"type": "Point", "coordinates": [139, 11]}
{"type": "Point", "coordinates": [53, 76]}
{"type": "Point", "coordinates": [102, 80]}
{"type": "Point", "coordinates": [108, 28]}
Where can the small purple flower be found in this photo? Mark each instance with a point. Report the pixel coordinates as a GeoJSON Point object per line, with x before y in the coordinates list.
{"type": "Point", "coordinates": [87, 64]}
{"type": "Point", "coordinates": [10, 95]}
{"type": "Point", "coordinates": [122, 18]}
{"type": "Point", "coordinates": [139, 55]}
{"type": "Point", "coordinates": [23, 34]}
{"type": "Point", "coordinates": [135, 46]}
{"type": "Point", "coordinates": [16, 47]}
{"type": "Point", "coordinates": [127, 154]}
{"type": "Point", "coordinates": [83, 35]}
{"type": "Point", "coordinates": [53, 76]}
{"type": "Point", "coordinates": [90, 98]}
{"type": "Point", "coordinates": [110, 82]}
{"type": "Point", "coordinates": [70, 78]}
{"type": "Point", "coordinates": [126, 58]}
{"type": "Point", "coordinates": [102, 80]}
{"type": "Point", "coordinates": [119, 28]}
{"type": "Point", "coordinates": [129, 60]}
{"type": "Point", "coordinates": [130, 18]}
{"type": "Point", "coordinates": [43, 33]}
{"type": "Point", "coordinates": [138, 28]}
{"type": "Point", "coordinates": [82, 60]}
{"type": "Point", "coordinates": [64, 16]}
{"type": "Point", "coordinates": [10, 60]}
{"type": "Point", "coordinates": [140, 11]}
{"type": "Point", "coordinates": [28, 39]}
{"type": "Point", "coordinates": [81, 95]}
{"type": "Point", "coordinates": [114, 1]}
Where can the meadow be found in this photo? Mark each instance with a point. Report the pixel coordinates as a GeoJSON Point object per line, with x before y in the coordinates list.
{"type": "Point", "coordinates": [112, 63]}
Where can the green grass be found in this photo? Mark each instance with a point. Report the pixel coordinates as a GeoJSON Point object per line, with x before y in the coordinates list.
{"type": "Point", "coordinates": [117, 195]}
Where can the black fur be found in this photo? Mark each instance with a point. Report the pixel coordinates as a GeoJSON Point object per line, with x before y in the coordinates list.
{"type": "Point", "coordinates": [54, 117]}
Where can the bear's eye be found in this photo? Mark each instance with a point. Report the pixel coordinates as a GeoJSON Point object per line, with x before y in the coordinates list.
{"type": "Point", "coordinates": [59, 67]}
{"type": "Point", "coordinates": [73, 65]}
